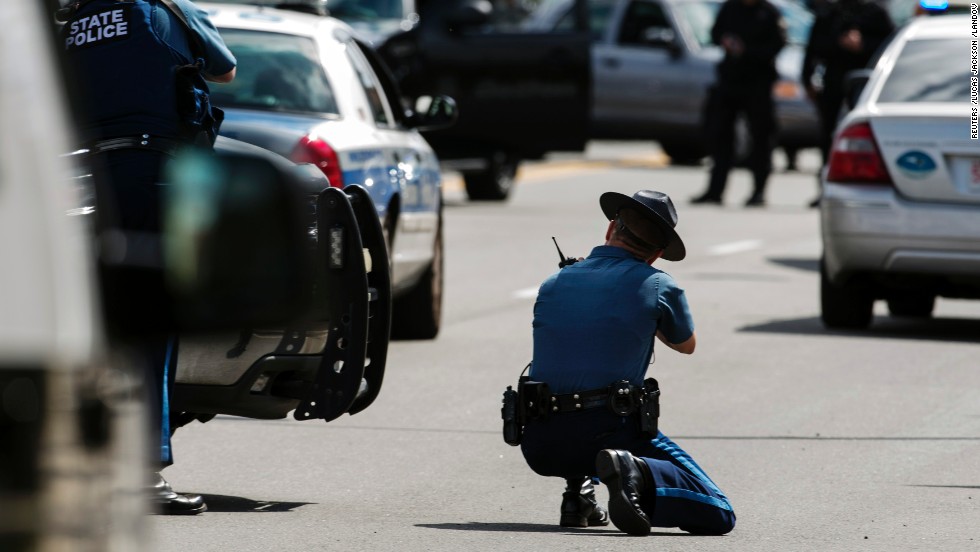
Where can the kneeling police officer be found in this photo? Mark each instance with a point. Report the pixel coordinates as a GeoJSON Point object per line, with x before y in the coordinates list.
{"type": "Point", "coordinates": [588, 410]}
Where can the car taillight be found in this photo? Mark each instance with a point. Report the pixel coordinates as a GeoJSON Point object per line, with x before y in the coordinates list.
{"type": "Point", "coordinates": [316, 150]}
{"type": "Point", "coordinates": [855, 158]}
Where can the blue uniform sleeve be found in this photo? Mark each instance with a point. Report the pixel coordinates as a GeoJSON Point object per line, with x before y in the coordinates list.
{"type": "Point", "coordinates": [675, 315]}
{"type": "Point", "coordinates": [218, 58]}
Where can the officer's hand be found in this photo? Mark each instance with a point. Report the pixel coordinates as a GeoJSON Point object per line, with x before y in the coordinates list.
{"type": "Point", "coordinates": [851, 41]}
{"type": "Point", "coordinates": [733, 45]}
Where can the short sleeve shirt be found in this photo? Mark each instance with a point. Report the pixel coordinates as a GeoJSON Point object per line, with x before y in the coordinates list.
{"type": "Point", "coordinates": [595, 321]}
{"type": "Point", "coordinates": [218, 59]}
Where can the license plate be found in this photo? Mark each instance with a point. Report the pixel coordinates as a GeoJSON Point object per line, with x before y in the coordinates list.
{"type": "Point", "coordinates": [966, 173]}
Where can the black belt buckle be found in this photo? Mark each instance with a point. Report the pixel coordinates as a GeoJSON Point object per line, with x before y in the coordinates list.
{"type": "Point", "coordinates": [621, 399]}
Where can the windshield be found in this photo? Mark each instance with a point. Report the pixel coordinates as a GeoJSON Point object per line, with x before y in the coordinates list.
{"type": "Point", "coordinates": [701, 16]}
{"type": "Point", "coordinates": [276, 72]}
{"type": "Point", "coordinates": [926, 72]}
{"type": "Point", "coordinates": [366, 10]}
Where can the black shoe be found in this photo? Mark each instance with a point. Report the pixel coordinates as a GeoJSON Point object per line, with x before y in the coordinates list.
{"type": "Point", "coordinates": [755, 201]}
{"type": "Point", "coordinates": [815, 203]}
{"type": "Point", "coordinates": [579, 507]}
{"type": "Point", "coordinates": [618, 470]}
{"type": "Point", "coordinates": [170, 503]}
{"type": "Point", "coordinates": [706, 199]}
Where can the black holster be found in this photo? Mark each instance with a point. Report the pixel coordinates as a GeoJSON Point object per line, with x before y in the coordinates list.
{"type": "Point", "coordinates": [650, 407]}
{"type": "Point", "coordinates": [199, 120]}
{"type": "Point", "coordinates": [528, 401]}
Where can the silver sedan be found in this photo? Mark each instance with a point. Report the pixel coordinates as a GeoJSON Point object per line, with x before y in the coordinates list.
{"type": "Point", "coordinates": [900, 212]}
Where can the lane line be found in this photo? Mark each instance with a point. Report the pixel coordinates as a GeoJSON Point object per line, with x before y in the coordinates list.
{"type": "Point", "coordinates": [734, 247]}
{"type": "Point", "coordinates": [526, 293]}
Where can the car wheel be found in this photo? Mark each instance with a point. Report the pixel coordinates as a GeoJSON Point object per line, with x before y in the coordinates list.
{"type": "Point", "coordinates": [418, 314]}
{"type": "Point", "coordinates": [917, 305]}
{"type": "Point", "coordinates": [848, 305]}
{"type": "Point", "coordinates": [495, 181]}
{"type": "Point", "coordinates": [681, 154]}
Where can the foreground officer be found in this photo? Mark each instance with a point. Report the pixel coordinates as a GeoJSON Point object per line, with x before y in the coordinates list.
{"type": "Point", "coordinates": [137, 67]}
{"type": "Point", "coordinates": [594, 328]}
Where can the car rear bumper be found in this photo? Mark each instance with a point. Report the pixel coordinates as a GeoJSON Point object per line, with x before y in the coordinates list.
{"type": "Point", "coordinates": [873, 230]}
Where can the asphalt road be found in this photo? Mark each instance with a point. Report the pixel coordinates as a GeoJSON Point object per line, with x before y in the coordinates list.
{"type": "Point", "coordinates": [823, 440]}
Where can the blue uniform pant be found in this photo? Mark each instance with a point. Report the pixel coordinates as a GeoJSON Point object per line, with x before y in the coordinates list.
{"type": "Point", "coordinates": [128, 198]}
{"type": "Point", "coordinates": [565, 445]}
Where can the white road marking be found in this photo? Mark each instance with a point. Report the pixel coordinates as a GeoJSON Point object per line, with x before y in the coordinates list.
{"type": "Point", "coordinates": [735, 247]}
{"type": "Point", "coordinates": [528, 293]}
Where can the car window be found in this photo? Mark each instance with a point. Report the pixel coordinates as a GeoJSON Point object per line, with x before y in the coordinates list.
{"type": "Point", "coordinates": [926, 72]}
{"type": "Point", "coordinates": [700, 17]}
{"type": "Point", "coordinates": [798, 22]}
{"type": "Point", "coordinates": [599, 13]}
{"type": "Point", "coordinates": [365, 10]}
{"type": "Point", "coordinates": [369, 82]}
{"type": "Point", "coordinates": [276, 72]}
{"type": "Point", "coordinates": [639, 17]}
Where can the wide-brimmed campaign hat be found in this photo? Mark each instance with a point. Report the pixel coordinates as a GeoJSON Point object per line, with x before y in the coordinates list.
{"type": "Point", "coordinates": [655, 207]}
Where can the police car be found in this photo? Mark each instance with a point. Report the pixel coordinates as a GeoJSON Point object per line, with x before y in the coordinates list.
{"type": "Point", "coordinates": [307, 89]}
{"type": "Point", "coordinates": [900, 211]}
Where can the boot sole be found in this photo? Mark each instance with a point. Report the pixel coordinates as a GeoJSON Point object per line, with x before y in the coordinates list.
{"type": "Point", "coordinates": [573, 521]}
{"type": "Point", "coordinates": [621, 512]}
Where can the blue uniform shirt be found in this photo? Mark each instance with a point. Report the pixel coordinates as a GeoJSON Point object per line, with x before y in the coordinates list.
{"type": "Point", "coordinates": [595, 321]}
{"type": "Point", "coordinates": [218, 59]}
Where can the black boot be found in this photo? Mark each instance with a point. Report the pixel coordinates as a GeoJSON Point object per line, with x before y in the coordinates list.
{"type": "Point", "coordinates": [620, 472]}
{"type": "Point", "coordinates": [167, 502]}
{"type": "Point", "coordinates": [579, 507]}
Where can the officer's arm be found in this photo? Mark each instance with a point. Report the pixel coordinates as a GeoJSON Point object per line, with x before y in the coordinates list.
{"type": "Point", "coordinates": [227, 77]}
{"type": "Point", "coordinates": [686, 347]}
{"type": "Point", "coordinates": [721, 25]}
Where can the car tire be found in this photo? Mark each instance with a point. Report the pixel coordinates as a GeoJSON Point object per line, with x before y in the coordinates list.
{"type": "Point", "coordinates": [682, 155]}
{"type": "Point", "coordinates": [418, 313]}
{"type": "Point", "coordinates": [844, 306]}
{"type": "Point", "coordinates": [494, 183]}
{"type": "Point", "coordinates": [915, 305]}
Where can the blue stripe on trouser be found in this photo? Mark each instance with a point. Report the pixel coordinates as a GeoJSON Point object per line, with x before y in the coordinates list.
{"type": "Point", "coordinates": [565, 445]}
{"type": "Point", "coordinates": [166, 455]}
{"type": "Point", "coordinates": [686, 497]}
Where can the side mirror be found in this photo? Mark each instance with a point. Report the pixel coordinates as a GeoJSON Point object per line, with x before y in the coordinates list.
{"type": "Point", "coordinates": [854, 83]}
{"type": "Point", "coordinates": [235, 243]}
{"type": "Point", "coordinates": [433, 113]}
{"type": "Point", "coordinates": [662, 37]}
{"type": "Point", "coordinates": [470, 14]}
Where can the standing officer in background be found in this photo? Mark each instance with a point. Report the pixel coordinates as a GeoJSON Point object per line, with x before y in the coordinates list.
{"type": "Point", "coordinates": [844, 37]}
{"type": "Point", "coordinates": [138, 69]}
{"type": "Point", "coordinates": [752, 33]}
{"type": "Point", "coordinates": [595, 324]}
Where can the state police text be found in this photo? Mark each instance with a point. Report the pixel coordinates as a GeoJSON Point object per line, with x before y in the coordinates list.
{"type": "Point", "coordinates": [108, 24]}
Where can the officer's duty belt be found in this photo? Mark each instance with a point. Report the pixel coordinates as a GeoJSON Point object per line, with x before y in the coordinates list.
{"type": "Point", "coordinates": [621, 398]}
{"type": "Point", "coordinates": [582, 400]}
{"type": "Point", "coordinates": [168, 146]}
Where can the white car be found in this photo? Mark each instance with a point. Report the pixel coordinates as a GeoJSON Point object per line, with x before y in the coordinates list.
{"type": "Point", "coordinates": [900, 211]}
{"type": "Point", "coordinates": [308, 90]}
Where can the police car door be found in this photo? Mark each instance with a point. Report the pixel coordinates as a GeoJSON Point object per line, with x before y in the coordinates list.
{"type": "Point", "coordinates": [639, 70]}
{"type": "Point", "coordinates": [409, 170]}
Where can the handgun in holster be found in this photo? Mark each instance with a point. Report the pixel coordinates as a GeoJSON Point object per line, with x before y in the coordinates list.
{"type": "Point", "coordinates": [650, 407]}
{"type": "Point", "coordinates": [526, 402]}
